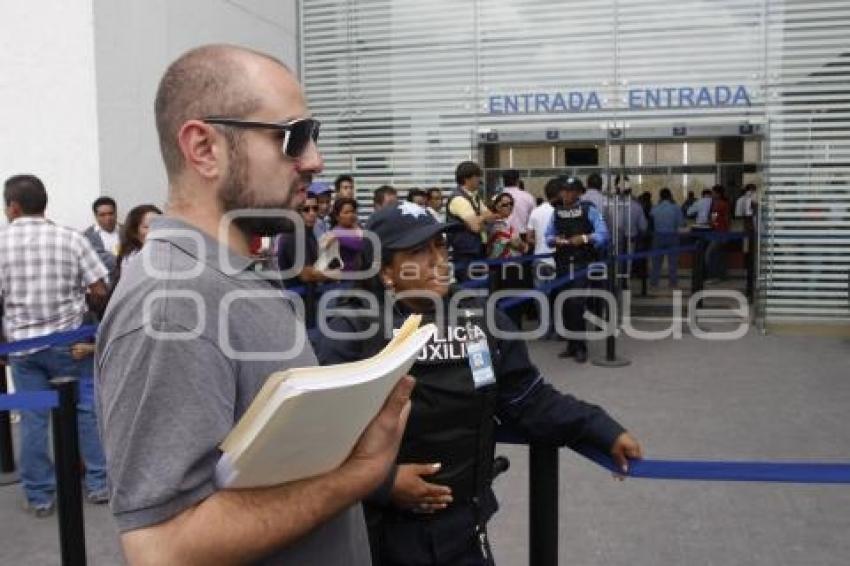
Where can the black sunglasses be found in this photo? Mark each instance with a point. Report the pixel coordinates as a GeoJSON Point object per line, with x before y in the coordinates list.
{"type": "Point", "coordinates": [310, 208]}
{"type": "Point", "coordinates": [296, 134]}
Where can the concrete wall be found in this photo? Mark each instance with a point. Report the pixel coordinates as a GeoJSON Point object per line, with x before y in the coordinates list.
{"type": "Point", "coordinates": [134, 43]}
{"type": "Point", "coordinates": [48, 105]}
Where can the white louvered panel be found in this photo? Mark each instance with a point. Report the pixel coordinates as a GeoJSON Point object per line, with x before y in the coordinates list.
{"type": "Point", "coordinates": [805, 259]}
{"type": "Point", "coordinates": [403, 86]}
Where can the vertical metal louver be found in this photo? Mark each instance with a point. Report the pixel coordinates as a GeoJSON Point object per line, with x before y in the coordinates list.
{"type": "Point", "coordinates": [805, 260]}
{"type": "Point", "coordinates": [404, 88]}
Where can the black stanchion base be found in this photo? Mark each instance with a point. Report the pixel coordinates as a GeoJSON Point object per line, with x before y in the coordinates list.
{"type": "Point", "coordinates": [615, 363]}
{"type": "Point", "coordinates": [9, 478]}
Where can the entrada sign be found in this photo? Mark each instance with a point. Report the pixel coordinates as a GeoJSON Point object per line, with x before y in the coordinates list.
{"type": "Point", "coordinates": [638, 98]}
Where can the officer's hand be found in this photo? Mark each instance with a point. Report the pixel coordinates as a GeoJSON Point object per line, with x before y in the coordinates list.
{"type": "Point", "coordinates": [410, 491]}
{"type": "Point", "coordinates": [577, 240]}
{"type": "Point", "coordinates": [625, 448]}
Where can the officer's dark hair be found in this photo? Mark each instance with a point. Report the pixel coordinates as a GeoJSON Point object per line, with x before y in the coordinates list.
{"type": "Point", "coordinates": [467, 170]}
{"type": "Point", "coordinates": [101, 201]}
{"type": "Point", "coordinates": [665, 194]}
{"type": "Point", "coordinates": [510, 178]}
{"type": "Point", "coordinates": [749, 187]}
{"type": "Point", "coordinates": [435, 190]}
{"type": "Point", "coordinates": [553, 188]}
{"type": "Point", "coordinates": [380, 194]}
{"type": "Point", "coordinates": [339, 180]}
{"type": "Point", "coordinates": [706, 192]}
{"type": "Point", "coordinates": [594, 181]}
{"type": "Point", "coordinates": [26, 190]}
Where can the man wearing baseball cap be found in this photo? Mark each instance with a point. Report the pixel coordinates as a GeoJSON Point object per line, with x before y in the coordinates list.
{"type": "Point", "coordinates": [578, 232]}
{"type": "Point", "coordinates": [434, 505]}
{"type": "Point", "coordinates": [322, 193]}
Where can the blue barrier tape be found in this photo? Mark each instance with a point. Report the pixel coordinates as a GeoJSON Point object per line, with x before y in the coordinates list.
{"type": "Point", "coordinates": [694, 470]}
{"type": "Point", "coordinates": [708, 470]}
{"type": "Point", "coordinates": [500, 261]}
{"type": "Point", "coordinates": [655, 252]}
{"type": "Point", "coordinates": [29, 401]}
{"type": "Point", "coordinates": [561, 281]}
{"type": "Point", "coordinates": [55, 339]}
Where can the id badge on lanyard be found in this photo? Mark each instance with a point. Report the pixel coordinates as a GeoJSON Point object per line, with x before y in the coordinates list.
{"type": "Point", "coordinates": [478, 354]}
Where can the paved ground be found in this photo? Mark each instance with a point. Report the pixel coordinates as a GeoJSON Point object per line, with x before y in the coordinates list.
{"type": "Point", "coordinates": [762, 397]}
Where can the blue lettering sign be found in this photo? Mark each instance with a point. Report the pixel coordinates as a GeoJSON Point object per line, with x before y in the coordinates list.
{"type": "Point", "coordinates": [558, 103]}
{"type": "Point", "coordinates": [653, 97]}
{"type": "Point", "coordinates": [704, 97]}
{"type": "Point", "coordinates": [495, 107]}
{"type": "Point", "coordinates": [576, 101]}
{"type": "Point", "coordinates": [714, 96]}
{"type": "Point", "coordinates": [741, 95]}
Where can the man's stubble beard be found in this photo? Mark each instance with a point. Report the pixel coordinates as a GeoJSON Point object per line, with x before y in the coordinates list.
{"type": "Point", "coordinates": [235, 194]}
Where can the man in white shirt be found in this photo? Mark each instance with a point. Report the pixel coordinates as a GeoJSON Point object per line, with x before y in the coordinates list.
{"type": "Point", "coordinates": [746, 203]}
{"type": "Point", "coordinates": [524, 203]}
{"type": "Point", "coordinates": [105, 234]}
{"type": "Point", "coordinates": [435, 204]}
{"type": "Point", "coordinates": [538, 221]}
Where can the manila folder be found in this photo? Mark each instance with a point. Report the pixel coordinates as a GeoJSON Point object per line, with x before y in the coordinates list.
{"type": "Point", "coordinates": [305, 421]}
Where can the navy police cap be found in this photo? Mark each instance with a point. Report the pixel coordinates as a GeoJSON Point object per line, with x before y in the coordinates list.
{"type": "Point", "coordinates": [404, 225]}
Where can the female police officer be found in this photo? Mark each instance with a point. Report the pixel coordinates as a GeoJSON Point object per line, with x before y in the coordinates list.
{"type": "Point", "coordinates": [433, 507]}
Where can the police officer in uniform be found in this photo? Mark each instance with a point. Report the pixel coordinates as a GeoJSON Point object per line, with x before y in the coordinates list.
{"type": "Point", "coordinates": [578, 233]}
{"type": "Point", "coordinates": [434, 506]}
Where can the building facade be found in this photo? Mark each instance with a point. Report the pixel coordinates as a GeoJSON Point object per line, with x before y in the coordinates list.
{"type": "Point", "coordinates": [678, 94]}
{"type": "Point", "coordinates": [79, 80]}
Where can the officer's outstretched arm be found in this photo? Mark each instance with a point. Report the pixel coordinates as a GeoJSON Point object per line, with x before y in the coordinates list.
{"type": "Point", "coordinates": [540, 411]}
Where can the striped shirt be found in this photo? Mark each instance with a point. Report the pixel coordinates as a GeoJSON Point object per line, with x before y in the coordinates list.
{"type": "Point", "coordinates": [44, 272]}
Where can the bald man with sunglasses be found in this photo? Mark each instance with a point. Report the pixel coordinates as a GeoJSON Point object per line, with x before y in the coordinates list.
{"type": "Point", "coordinates": [194, 329]}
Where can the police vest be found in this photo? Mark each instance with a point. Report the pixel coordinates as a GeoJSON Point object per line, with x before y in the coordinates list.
{"type": "Point", "coordinates": [569, 222]}
{"type": "Point", "coordinates": [462, 240]}
{"type": "Point", "coordinates": [451, 421]}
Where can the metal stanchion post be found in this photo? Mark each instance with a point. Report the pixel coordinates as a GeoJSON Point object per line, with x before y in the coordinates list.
{"type": "Point", "coordinates": [749, 259]}
{"type": "Point", "coordinates": [69, 492]}
{"type": "Point", "coordinates": [698, 269]}
{"type": "Point", "coordinates": [611, 359]}
{"type": "Point", "coordinates": [543, 505]}
{"type": "Point", "coordinates": [7, 452]}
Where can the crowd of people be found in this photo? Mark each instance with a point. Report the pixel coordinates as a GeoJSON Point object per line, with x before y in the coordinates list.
{"type": "Point", "coordinates": [509, 223]}
{"type": "Point", "coordinates": [164, 405]}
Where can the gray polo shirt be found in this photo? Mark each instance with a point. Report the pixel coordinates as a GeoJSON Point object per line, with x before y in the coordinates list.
{"type": "Point", "coordinates": [190, 335]}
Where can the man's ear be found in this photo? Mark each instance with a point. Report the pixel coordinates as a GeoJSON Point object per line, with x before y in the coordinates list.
{"type": "Point", "coordinates": [13, 210]}
{"type": "Point", "coordinates": [204, 149]}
